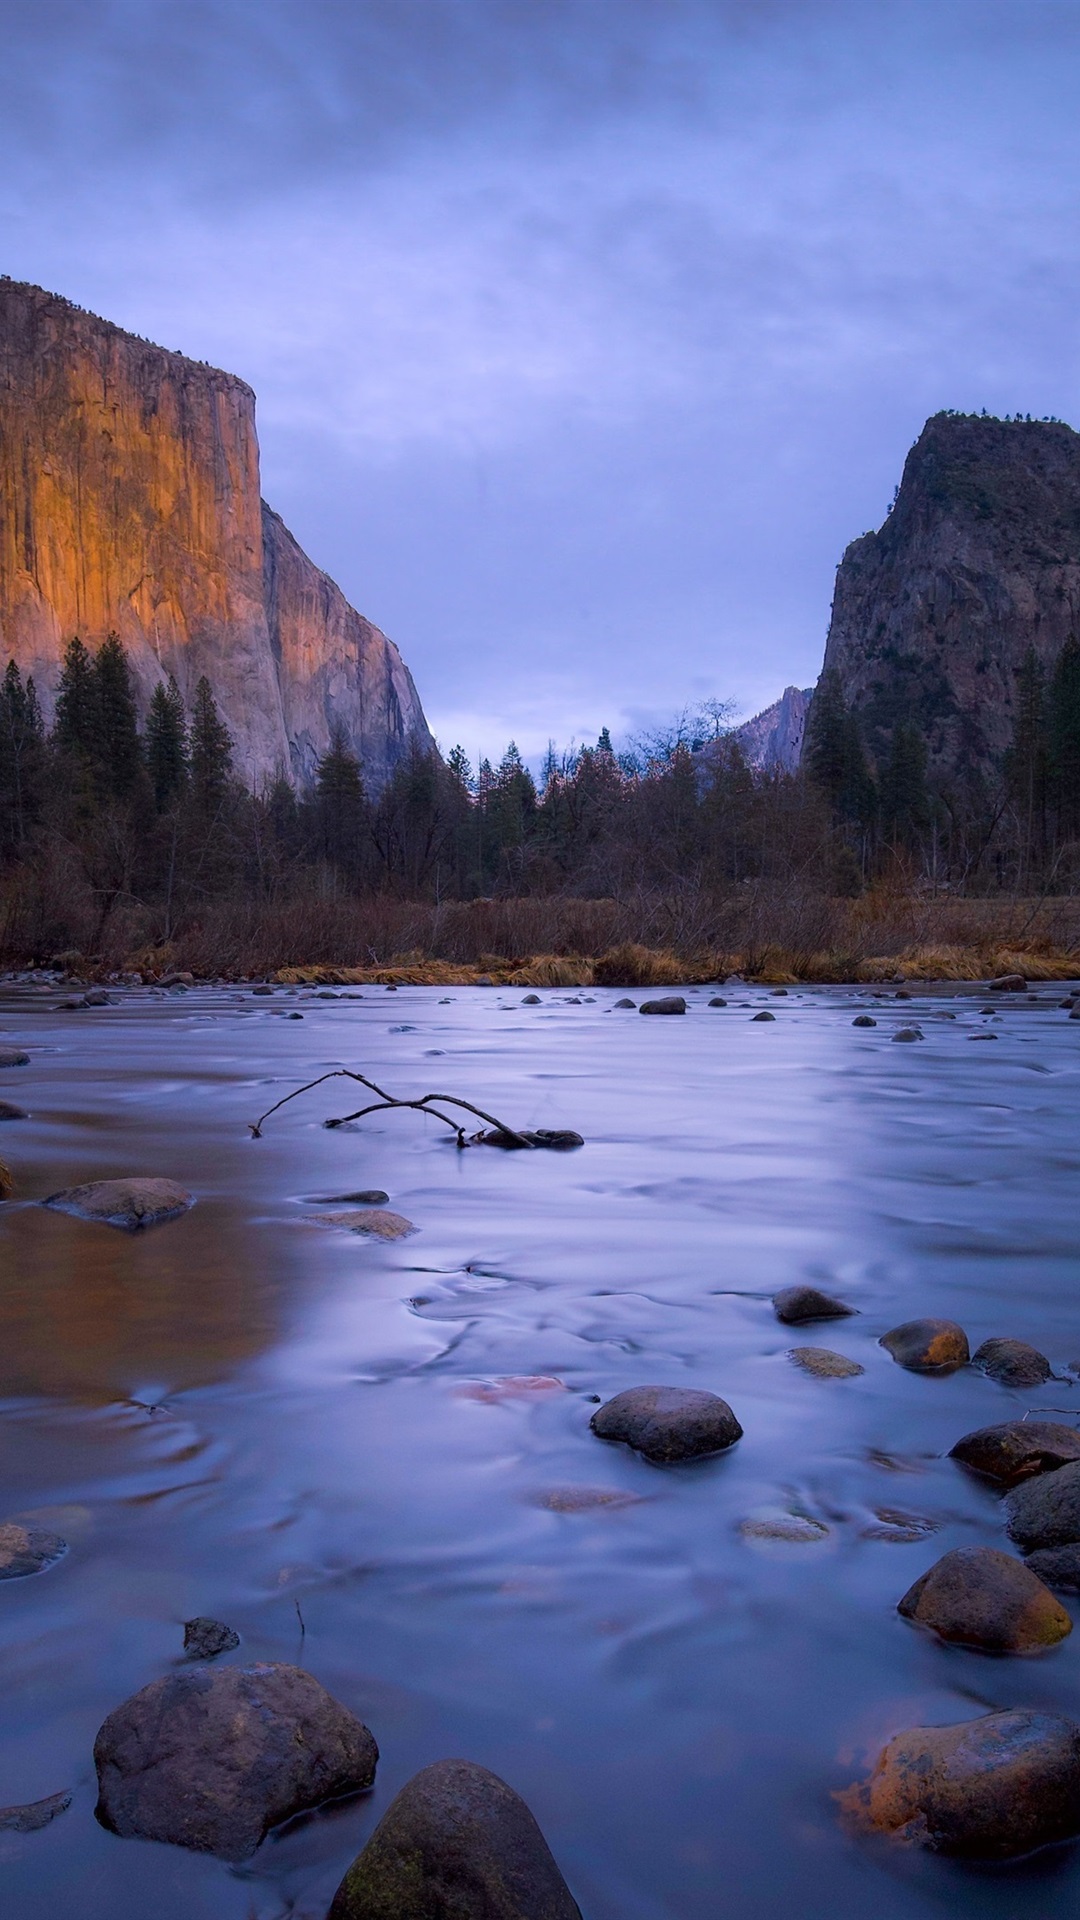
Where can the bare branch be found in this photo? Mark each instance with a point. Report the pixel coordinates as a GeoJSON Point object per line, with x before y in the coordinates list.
{"type": "Point", "coordinates": [386, 1100]}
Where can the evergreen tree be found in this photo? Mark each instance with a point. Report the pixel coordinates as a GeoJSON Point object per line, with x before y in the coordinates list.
{"type": "Point", "coordinates": [339, 807]}
{"type": "Point", "coordinates": [905, 801]}
{"type": "Point", "coordinates": [834, 755]}
{"type": "Point", "coordinates": [1026, 760]}
{"type": "Point", "coordinates": [166, 744]}
{"type": "Point", "coordinates": [511, 802]}
{"type": "Point", "coordinates": [117, 748]}
{"type": "Point", "coordinates": [1064, 740]}
{"type": "Point", "coordinates": [76, 730]}
{"type": "Point", "coordinates": [21, 760]}
{"type": "Point", "coordinates": [210, 754]}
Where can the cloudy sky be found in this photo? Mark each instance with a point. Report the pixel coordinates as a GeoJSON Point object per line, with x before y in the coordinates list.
{"type": "Point", "coordinates": [586, 333]}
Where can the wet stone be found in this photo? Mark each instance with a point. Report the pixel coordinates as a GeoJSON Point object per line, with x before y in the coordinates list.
{"type": "Point", "coordinates": [1012, 1363]}
{"type": "Point", "coordinates": [765, 1015]}
{"type": "Point", "coordinates": [129, 1204]}
{"type": "Point", "coordinates": [212, 1758]}
{"type": "Point", "coordinates": [671, 1003]}
{"type": "Point", "coordinates": [531, 1000]}
{"type": "Point", "coordinates": [716, 1001]}
{"type": "Point", "coordinates": [667, 1424]}
{"type": "Point", "coordinates": [1045, 1512]}
{"type": "Point", "coordinates": [1058, 1566]}
{"type": "Point", "coordinates": [908, 1033]}
{"type": "Point", "coordinates": [585, 1499]}
{"type": "Point", "coordinates": [375, 1222]}
{"type": "Point", "coordinates": [13, 1057]}
{"type": "Point", "coordinates": [927, 1346]}
{"type": "Point", "coordinates": [864, 1020]}
{"type": "Point", "coordinates": [204, 1639]}
{"type": "Point", "coordinates": [793, 1305]}
{"type": "Point", "coordinates": [824, 1364]}
{"type": "Point", "coordinates": [898, 1528]}
{"type": "Point", "coordinates": [9, 1111]}
{"type": "Point", "coordinates": [791, 1529]}
{"type": "Point", "coordinates": [1017, 1449]}
{"type": "Point", "coordinates": [34, 1816]}
{"type": "Point", "coordinates": [1008, 983]}
{"type": "Point", "coordinates": [991, 1788]}
{"type": "Point", "coordinates": [367, 1197]}
{"type": "Point", "coordinates": [981, 1597]}
{"type": "Point", "coordinates": [456, 1844]}
{"type": "Point", "coordinates": [25, 1550]}
{"type": "Point", "coordinates": [627, 1005]}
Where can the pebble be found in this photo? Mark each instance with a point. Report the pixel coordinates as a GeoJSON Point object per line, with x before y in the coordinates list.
{"type": "Point", "coordinates": [824, 1364]}
{"type": "Point", "coordinates": [130, 1204]}
{"type": "Point", "coordinates": [25, 1550]}
{"type": "Point", "coordinates": [1012, 1363]}
{"type": "Point", "coordinates": [1045, 1511]}
{"type": "Point", "coordinates": [671, 1003]}
{"type": "Point", "coordinates": [793, 1305]}
{"type": "Point", "coordinates": [212, 1757]}
{"type": "Point", "coordinates": [927, 1346]}
{"type": "Point", "coordinates": [1017, 1449]}
{"type": "Point", "coordinates": [668, 1423]}
{"type": "Point", "coordinates": [981, 1597]}
{"type": "Point", "coordinates": [456, 1844]}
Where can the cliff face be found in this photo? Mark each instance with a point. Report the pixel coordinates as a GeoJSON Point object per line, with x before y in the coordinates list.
{"type": "Point", "coordinates": [129, 502]}
{"type": "Point", "coordinates": [978, 561]}
{"type": "Point", "coordinates": [772, 741]}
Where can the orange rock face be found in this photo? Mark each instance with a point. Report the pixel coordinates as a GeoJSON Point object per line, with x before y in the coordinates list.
{"type": "Point", "coordinates": [129, 502]}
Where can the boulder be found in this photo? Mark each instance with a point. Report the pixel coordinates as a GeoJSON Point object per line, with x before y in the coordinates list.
{"type": "Point", "coordinates": [531, 1000]}
{"type": "Point", "coordinates": [13, 1057]}
{"type": "Point", "coordinates": [1045, 1512]}
{"type": "Point", "coordinates": [204, 1639]}
{"type": "Point", "coordinates": [1017, 1449]}
{"type": "Point", "coordinates": [1012, 1363]}
{"type": "Point", "coordinates": [671, 1003]}
{"type": "Point", "coordinates": [212, 1757]}
{"type": "Point", "coordinates": [927, 1346]}
{"type": "Point", "coordinates": [31, 1818]}
{"type": "Point", "coordinates": [668, 1423]}
{"type": "Point", "coordinates": [908, 1033]}
{"type": "Point", "coordinates": [9, 1111]}
{"type": "Point", "coordinates": [1008, 983]}
{"type": "Point", "coordinates": [990, 1788]}
{"type": "Point", "coordinates": [456, 1844]}
{"type": "Point", "coordinates": [26, 1550]}
{"type": "Point", "coordinates": [1058, 1566]}
{"type": "Point", "coordinates": [130, 1204]}
{"type": "Point", "coordinates": [628, 1005]}
{"type": "Point", "coordinates": [864, 1020]}
{"type": "Point", "coordinates": [984, 1598]}
{"type": "Point", "coordinates": [716, 1001]}
{"type": "Point", "coordinates": [793, 1305]}
{"type": "Point", "coordinates": [824, 1364]}
{"type": "Point", "coordinates": [765, 1015]}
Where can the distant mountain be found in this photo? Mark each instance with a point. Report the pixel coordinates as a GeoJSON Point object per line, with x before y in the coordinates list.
{"type": "Point", "coordinates": [129, 502]}
{"type": "Point", "coordinates": [772, 740]}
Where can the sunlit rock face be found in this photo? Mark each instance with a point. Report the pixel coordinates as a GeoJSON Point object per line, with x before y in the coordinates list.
{"type": "Point", "coordinates": [978, 560]}
{"type": "Point", "coordinates": [129, 502]}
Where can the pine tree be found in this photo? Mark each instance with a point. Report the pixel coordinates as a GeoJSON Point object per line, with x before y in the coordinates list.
{"type": "Point", "coordinates": [834, 756]}
{"type": "Point", "coordinates": [1064, 740]}
{"type": "Point", "coordinates": [905, 800]}
{"type": "Point", "coordinates": [21, 760]}
{"type": "Point", "coordinates": [1026, 761]}
{"type": "Point", "coordinates": [76, 730]}
{"type": "Point", "coordinates": [210, 754]}
{"type": "Point", "coordinates": [339, 806]}
{"type": "Point", "coordinates": [166, 744]}
{"type": "Point", "coordinates": [117, 748]}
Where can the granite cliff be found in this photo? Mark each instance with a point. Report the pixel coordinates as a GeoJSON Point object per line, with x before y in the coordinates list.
{"type": "Point", "coordinates": [129, 502]}
{"type": "Point", "coordinates": [978, 561]}
{"type": "Point", "coordinates": [772, 741]}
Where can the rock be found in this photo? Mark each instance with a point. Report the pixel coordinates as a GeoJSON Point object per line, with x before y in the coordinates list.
{"type": "Point", "coordinates": [793, 1529]}
{"type": "Point", "coordinates": [25, 1550]}
{"type": "Point", "coordinates": [512, 1386]}
{"type": "Point", "coordinates": [367, 1197]}
{"type": "Point", "coordinates": [629, 1005]}
{"type": "Point", "coordinates": [668, 1423]}
{"type": "Point", "coordinates": [262, 988]}
{"type": "Point", "coordinates": [1012, 1363]}
{"type": "Point", "coordinates": [1008, 983]}
{"type": "Point", "coordinates": [180, 978]}
{"type": "Point", "coordinates": [1058, 1566]}
{"type": "Point", "coordinates": [73, 1005]}
{"type": "Point", "coordinates": [98, 997]}
{"type": "Point", "coordinates": [903, 1529]}
{"type": "Point", "coordinates": [8, 1111]}
{"type": "Point", "coordinates": [793, 1305]}
{"type": "Point", "coordinates": [533, 1000]}
{"type": "Point", "coordinates": [825, 1365]}
{"type": "Point", "coordinates": [989, 1788]}
{"type": "Point", "coordinates": [558, 1139]}
{"type": "Point", "coordinates": [212, 1757]}
{"type": "Point", "coordinates": [982, 1036]}
{"type": "Point", "coordinates": [31, 1818]}
{"type": "Point", "coordinates": [456, 1844]}
{"type": "Point", "coordinates": [7, 1181]}
{"type": "Point", "coordinates": [981, 1597]}
{"type": "Point", "coordinates": [204, 1639]}
{"type": "Point", "coordinates": [765, 1015]}
{"type": "Point", "coordinates": [864, 1020]}
{"type": "Point", "coordinates": [130, 1204]}
{"type": "Point", "coordinates": [1045, 1511]}
{"type": "Point", "coordinates": [908, 1033]}
{"type": "Point", "coordinates": [13, 1057]}
{"type": "Point", "coordinates": [717, 1002]}
{"type": "Point", "coordinates": [375, 1221]}
{"type": "Point", "coordinates": [671, 1003]}
{"type": "Point", "coordinates": [927, 1346]}
{"type": "Point", "coordinates": [585, 1499]}
{"type": "Point", "coordinates": [1017, 1449]}
{"type": "Point", "coordinates": [1075, 1014]}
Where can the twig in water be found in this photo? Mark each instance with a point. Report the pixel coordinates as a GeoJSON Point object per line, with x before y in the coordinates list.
{"type": "Point", "coordinates": [387, 1100]}
{"type": "Point", "coordinates": [300, 1617]}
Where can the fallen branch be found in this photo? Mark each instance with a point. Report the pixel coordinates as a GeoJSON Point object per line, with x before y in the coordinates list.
{"type": "Point", "coordinates": [506, 1136]}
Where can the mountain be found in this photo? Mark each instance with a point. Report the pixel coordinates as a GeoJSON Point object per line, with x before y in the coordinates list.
{"type": "Point", "coordinates": [772, 740]}
{"type": "Point", "coordinates": [978, 561]}
{"type": "Point", "coordinates": [129, 502]}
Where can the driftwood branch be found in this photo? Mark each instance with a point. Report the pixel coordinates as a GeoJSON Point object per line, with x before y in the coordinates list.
{"type": "Point", "coordinates": [425, 1104]}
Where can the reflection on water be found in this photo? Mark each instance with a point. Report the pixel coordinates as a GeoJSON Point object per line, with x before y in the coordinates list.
{"type": "Point", "coordinates": [310, 1435]}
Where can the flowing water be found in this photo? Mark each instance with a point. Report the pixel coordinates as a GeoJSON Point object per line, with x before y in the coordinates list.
{"type": "Point", "coordinates": [249, 1414]}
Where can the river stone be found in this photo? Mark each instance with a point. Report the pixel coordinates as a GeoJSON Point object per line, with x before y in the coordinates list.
{"type": "Point", "coordinates": [8, 1111]}
{"type": "Point", "coordinates": [1058, 1566]}
{"type": "Point", "coordinates": [26, 1550]}
{"type": "Point", "coordinates": [908, 1033]}
{"type": "Point", "coordinates": [531, 1000]}
{"type": "Point", "coordinates": [129, 1204]}
{"type": "Point", "coordinates": [13, 1057]}
{"type": "Point", "coordinates": [204, 1639]}
{"type": "Point", "coordinates": [793, 1305]}
{"type": "Point", "coordinates": [368, 1197]}
{"type": "Point", "coordinates": [765, 1015]}
{"type": "Point", "coordinates": [31, 1818]}
{"type": "Point", "coordinates": [716, 1001]}
{"type": "Point", "coordinates": [989, 1788]}
{"type": "Point", "coordinates": [668, 1423]}
{"type": "Point", "coordinates": [1045, 1512]}
{"type": "Point", "coordinates": [1012, 1363]}
{"type": "Point", "coordinates": [456, 1844]}
{"type": "Point", "coordinates": [377, 1221]}
{"type": "Point", "coordinates": [585, 1499]}
{"type": "Point", "coordinates": [864, 1020]}
{"type": "Point", "coordinates": [927, 1346]}
{"type": "Point", "coordinates": [629, 1005]}
{"type": "Point", "coordinates": [824, 1364]}
{"type": "Point", "coordinates": [212, 1757]}
{"type": "Point", "coordinates": [671, 1003]}
{"type": "Point", "coordinates": [791, 1529]}
{"type": "Point", "coordinates": [1017, 1449]}
{"type": "Point", "coordinates": [1008, 983]}
{"type": "Point", "coordinates": [982, 1597]}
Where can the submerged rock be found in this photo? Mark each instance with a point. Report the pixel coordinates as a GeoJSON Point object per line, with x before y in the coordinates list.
{"type": "Point", "coordinates": [764, 1015]}
{"type": "Point", "coordinates": [927, 1346]}
{"type": "Point", "coordinates": [1058, 1566]}
{"type": "Point", "coordinates": [8, 1111]}
{"type": "Point", "coordinates": [793, 1305]}
{"type": "Point", "coordinates": [1045, 1512]}
{"type": "Point", "coordinates": [671, 1003]}
{"type": "Point", "coordinates": [204, 1639]}
{"type": "Point", "coordinates": [367, 1197]}
{"type": "Point", "coordinates": [555, 1139]}
{"type": "Point", "coordinates": [668, 1423]}
{"type": "Point", "coordinates": [984, 1598]}
{"type": "Point", "coordinates": [376, 1221]}
{"type": "Point", "coordinates": [34, 1816]}
{"type": "Point", "coordinates": [864, 1020]}
{"type": "Point", "coordinates": [716, 1001]}
{"type": "Point", "coordinates": [824, 1364]}
{"type": "Point", "coordinates": [456, 1844]}
{"type": "Point", "coordinates": [990, 1788]}
{"type": "Point", "coordinates": [531, 1000]}
{"type": "Point", "coordinates": [791, 1529]}
{"type": "Point", "coordinates": [13, 1057]}
{"type": "Point", "coordinates": [130, 1204]}
{"type": "Point", "coordinates": [25, 1550]}
{"type": "Point", "coordinates": [212, 1758]}
{"type": "Point", "coordinates": [628, 1005]}
{"type": "Point", "coordinates": [585, 1499]}
{"type": "Point", "coordinates": [909, 1033]}
{"type": "Point", "coordinates": [1012, 1363]}
{"type": "Point", "coordinates": [1017, 1449]}
{"type": "Point", "coordinates": [1008, 983]}
{"type": "Point", "coordinates": [7, 1181]}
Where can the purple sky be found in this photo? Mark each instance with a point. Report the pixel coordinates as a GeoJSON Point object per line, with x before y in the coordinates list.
{"type": "Point", "coordinates": [586, 333]}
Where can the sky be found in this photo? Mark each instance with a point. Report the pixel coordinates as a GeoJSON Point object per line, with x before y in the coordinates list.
{"type": "Point", "coordinates": [585, 333]}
